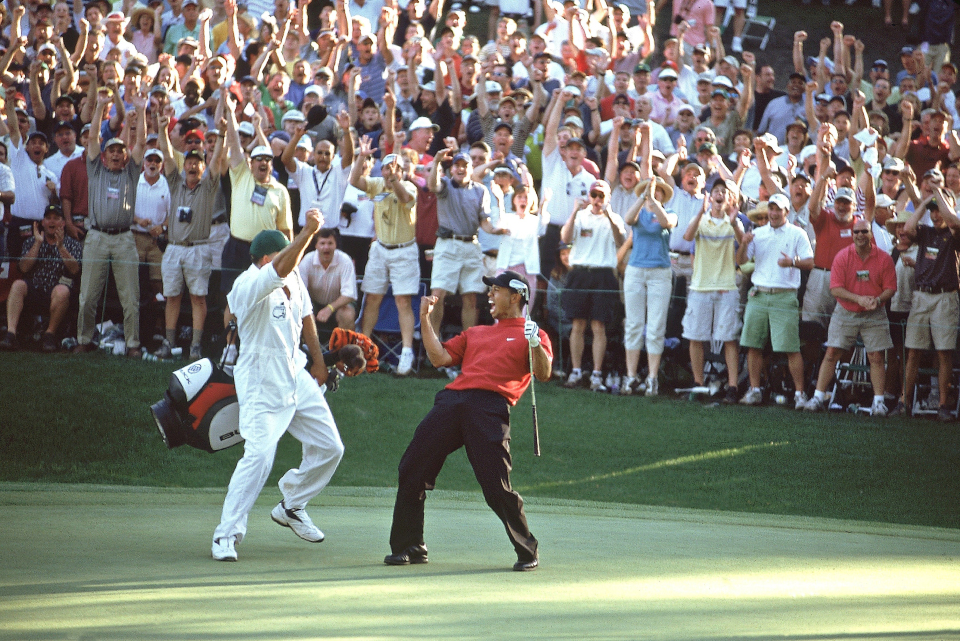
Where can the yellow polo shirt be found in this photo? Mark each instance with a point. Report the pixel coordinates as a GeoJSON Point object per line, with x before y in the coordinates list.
{"type": "Point", "coordinates": [247, 219]}
{"type": "Point", "coordinates": [394, 222]}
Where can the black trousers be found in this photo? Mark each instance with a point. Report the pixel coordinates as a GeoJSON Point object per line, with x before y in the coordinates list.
{"type": "Point", "coordinates": [479, 421]}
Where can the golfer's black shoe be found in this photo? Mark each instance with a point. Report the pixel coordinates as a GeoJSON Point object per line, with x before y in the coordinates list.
{"type": "Point", "coordinates": [412, 555]}
{"type": "Point", "coordinates": [526, 566]}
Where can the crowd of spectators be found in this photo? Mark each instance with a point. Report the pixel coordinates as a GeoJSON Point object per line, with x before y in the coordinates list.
{"type": "Point", "coordinates": [650, 190]}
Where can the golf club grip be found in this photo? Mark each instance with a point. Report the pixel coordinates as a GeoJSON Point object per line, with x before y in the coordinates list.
{"type": "Point", "coordinates": [536, 433]}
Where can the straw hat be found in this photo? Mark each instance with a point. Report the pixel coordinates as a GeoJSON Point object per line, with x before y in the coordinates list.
{"type": "Point", "coordinates": [662, 186]}
{"type": "Point", "coordinates": [754, 214]}
{"type": "Point", "coordinates": [901, 218]}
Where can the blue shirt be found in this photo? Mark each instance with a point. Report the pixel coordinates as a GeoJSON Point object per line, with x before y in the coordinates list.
{"type": "Point", "coordinates": [651, 242]}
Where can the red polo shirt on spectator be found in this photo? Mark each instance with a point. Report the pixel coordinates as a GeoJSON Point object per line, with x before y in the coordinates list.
{"type": "Point", "coordinates": [73, 185]}
{"type": "Point", "coordinates": [870, 277]}
{"type": "Point", "coordinates": [832, 236]}
{"type": "Point", "coordinates": [922, 156]}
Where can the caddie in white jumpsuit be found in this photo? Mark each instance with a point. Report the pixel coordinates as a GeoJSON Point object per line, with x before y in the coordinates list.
{"type": "Point", "coordinates": [275, 392]}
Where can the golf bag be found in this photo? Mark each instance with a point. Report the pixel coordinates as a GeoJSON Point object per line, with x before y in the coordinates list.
{"type": "Point", "coordinates": [199, 409]}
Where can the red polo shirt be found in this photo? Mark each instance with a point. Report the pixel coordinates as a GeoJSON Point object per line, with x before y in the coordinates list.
{"type": "Point", "coordinates": [495, 358]}
{"type": "Point", "coordinates": [832, 236]}
{"type": "Point", "coordinates": [73, 185]}
{"type": "Point", "coordinates": [870, 277]}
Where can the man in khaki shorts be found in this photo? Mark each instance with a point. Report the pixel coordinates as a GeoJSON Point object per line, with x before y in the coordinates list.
{"type": "Point", "coordinates": [393, 258]}
{"type": "Point", "coordinates": [935, 307]}
{"type": "Point", "coordinates": [780, 251]}
{"type": "Point", "coordinates": [862, 279]}
{"type": "Point", "coordinates": [463, 206]}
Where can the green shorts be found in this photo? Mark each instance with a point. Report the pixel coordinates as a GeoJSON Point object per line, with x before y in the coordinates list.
{"type": "Point", "coordinates": [773, 316]}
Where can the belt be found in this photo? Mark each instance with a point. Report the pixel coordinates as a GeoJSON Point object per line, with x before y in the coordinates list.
{"type": "Point", "coordinates": [823, 269]}
{"type": "Point", "coordinates": [113, 231]}
{"type": "Point", "coordinates": [492, 253]}
{"type": "Point", "coordinates": [465, 239]}
{"type": "Point", "coordinates": [400, 246]}
{"type": "Point", "coordinates": [587, 268]}
{"type": "Point", "coordinates": [774, 290]}
{"type": "Point", "coordinates": [189, 243]}
{"type": "Point", "coordinates": [222, 218]}
{"type": "Point", "coordinates": [137, 231]}
{"type": "Point", "coordinates": [682, 253]}
{"type": "Point", "coordinates": [935, 290]}
{"type": "Point", "coordinates": [240, 240]}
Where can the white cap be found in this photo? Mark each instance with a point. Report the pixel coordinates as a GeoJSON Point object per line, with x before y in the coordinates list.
{"type": "Point", "coordinates": [493, 87]}
{"type": "Point", "coordinates": [723, 81]}
{"type": "Point", "coordinates": [295, 115]}
{"type": "Point", "coordinates": [780, 201]}
{"type": "Point", "coordinates": [246, 128]}
{"type": "Point", "coordinates": [667, 73]}
{"type": "Point", "coordinates": [573, 90]}
{"type": "Point", "coordinates": [423, 123]}
{"type": "Point", "coordinates": [261, 151]}
{"type": "Point", "coordinates": [432, 86]}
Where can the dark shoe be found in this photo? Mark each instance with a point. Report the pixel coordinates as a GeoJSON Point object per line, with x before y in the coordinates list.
{"type": "Point", "coordinates": [49, 343]}
{"type": "Point", "coordinates": [134, 352]}
{"type": "Point", "coordinates": [526, 566]}
{"type": "Point", "coordinates": [731, 397]}
{"type": "Point", "coordinates": [944, 415]}
{"type": "Point", "coordinates": [900, 410]}
{"type": "Point", "coordinates": [412, 555]}
{"type": "Point", "coordinates": [83, 348]}
{"type": "Point", "coordinates": [9, 342]}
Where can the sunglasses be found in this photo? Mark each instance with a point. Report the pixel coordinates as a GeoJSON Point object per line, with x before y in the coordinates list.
{"type": "Point", "coordinates": [597, 194]}
{"type": "Point", "coordinates": [861, 231]}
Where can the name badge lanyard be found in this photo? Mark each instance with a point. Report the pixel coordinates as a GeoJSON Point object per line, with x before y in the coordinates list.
{"type": "Point", "coordinates": [320, 186]}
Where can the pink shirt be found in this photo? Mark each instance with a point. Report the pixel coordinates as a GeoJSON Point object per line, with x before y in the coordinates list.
{"type": "Point", "coordinates": [700, 15]}
{"type": "Point", "coordinates": [870, 277]}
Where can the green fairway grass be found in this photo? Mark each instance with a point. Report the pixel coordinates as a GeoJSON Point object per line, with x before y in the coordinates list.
{"type": "Point", "coordinates": [94, 426]}
{"type": "Point", "coordinates": [110, 563]}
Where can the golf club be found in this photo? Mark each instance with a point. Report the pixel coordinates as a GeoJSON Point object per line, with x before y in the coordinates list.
{"type": "Point", "coordinates": [522, 287]}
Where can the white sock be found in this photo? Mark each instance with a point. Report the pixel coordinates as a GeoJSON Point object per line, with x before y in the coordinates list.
{"type": "Point", "coordinates": [819, 395]}
{"type": "Point", "coordinates": [576, 370]}
{"type": "Point", "coordinates": [407, 350]}
{"type": "Point", "coordinates": [877, 399]}
{"type": "Point", "coordinates": [597, 372]}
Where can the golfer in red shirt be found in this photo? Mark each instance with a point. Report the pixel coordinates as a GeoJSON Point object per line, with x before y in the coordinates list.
{"type": "Point", "coordinates": [473, 412]}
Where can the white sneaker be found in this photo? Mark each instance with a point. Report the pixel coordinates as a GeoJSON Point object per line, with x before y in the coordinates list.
{"type": "Point", "coordinates": [879, 408]}
{"type": "Point", "coordinates": [799, 400]}
{"type": "Point", "coordinates": [736, 45]}
{"type": "Point", "coordinates": [629, 385]}
{"type": "Point", "coordinates": [224, 549]}
{"type": "Point", "coordinates": [574, 379]}
{"type": "Point", "coordinates": [814, 405]}
{"type": "Point", "coordinates": [596, 383]}
{"type": "Point", "coordinates": [297, 520]}
{"type": "Point", "coordinates": [164, 351]}
{"type": "Point", "coordinates": [406, 362]}
{"type": "Point", "coordinates": [653, 387]}
{"type": "Point", "coordinates": [753, 397]}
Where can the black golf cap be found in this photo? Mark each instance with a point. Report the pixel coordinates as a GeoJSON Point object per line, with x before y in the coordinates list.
{"type": "Point", "coordinates": [511, 280]}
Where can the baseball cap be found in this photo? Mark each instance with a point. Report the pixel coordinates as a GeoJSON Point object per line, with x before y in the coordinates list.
{"type": "Point", "coordinates": [153, 152]}
{"type": "Point", "coordinates": [294, 115]}
{"type": "Point", "coordinates": [884, 200]}
{"type": "Point", "coordinates": [730, 60]}
{"type": "Point", "coordinates": [389, 159]}
{"type": "Point", "coordinates": [708, 147]}
{"type": "Point", "coordinates": [462, 157]}
{"type": "Point", "coordinates": [313, 90]}
{"type": "Point", "coordinates": [576, 141]}
{"type": "Point", "coordinates": [906, 51]}
{"type": "Point", "coordinates": [683, 108]}
{"type": "Point", "coordinates": [246, 128]}
{"type": "Point", "coordinates": [891, 163]}
{"type": "Point", "coordinates": [576, 121]}
{"type": "Point", "coordinates": [193, 133]}
{"type": "Point", "coordinates": [114, 141]}
{"type": "Point", "coordinates": [503, 125]}
{"type": "Point", "coordinates": [823, 97]}
{"type": "Point", "coordinates": [880, 62]}
{"type": "Point", "coordinates": [260, 152]}
{"type": "Point", "coordinates": [723, 81]}
{"type": "Point", "coordinates": [510, 280]}
{"type": "Point", "coordinates": [602, 185]}
{"type": "Point", "coordinates": [667, 74]}
{"type": "Point", "coordinates": [845, 193]}
{"type": "Point", "coordinates": [641, 67]}
{"type": "Point", "coordinates": [780, 201]}
{"type": "Point", "coordinates": [424, 123]}
{"type": "Point", "coordinates": [431, 86]}
{"type": "Point", "coordinates": [37, 134]}
{"type": "Point", "coordinates": [492, 87]}
{"type": "Point", "coordinates": [267, 242]}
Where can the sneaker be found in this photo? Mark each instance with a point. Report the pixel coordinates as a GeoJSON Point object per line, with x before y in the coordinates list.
{"type": "Point", "coordinates": [944, 415]}
{"type": "Point", "coordinates": [901, 410]}
{"type": "Point", "coordinates": [224, 549]}
{"type": "Point", "coordinates": [596, 383]}
{"type": "Point", "coordinates": [879, 408]}
{"type": "Point", "coordinates": [799, 400]}
{"type": "Point", "coordinates": [736, 45]}
{"type": "Point", "coordinates": [164, 351]}
{"type": "Point", "coordinates": [573, 380]}
{"type": "Point", "coordinates": [629, 385]}
{"type": "Point", "coordinates": [731, 396]}
{"type": "Point", "coordinates": [914, 9]}
{"type": "Point", "coordinates": [49, 343]}
{"type": "Point", "coordinates": [653, 387]}
{"type": "Point", "coordinates": [297, 520]}
{"type": "Point", "coordinates": [815, 405]}
{"type": "Point", "coordinates": [406, 362]}
{"type": "Point", "coordinates": [9, 342]}
{"type": "Point", "coordinates": [195, 352]}
{"type": "Point", "coordinates": [753, 397]}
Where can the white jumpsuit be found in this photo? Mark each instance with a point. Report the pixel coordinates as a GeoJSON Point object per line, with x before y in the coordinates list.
{"type": "Point", "coordinates": [276, 394]}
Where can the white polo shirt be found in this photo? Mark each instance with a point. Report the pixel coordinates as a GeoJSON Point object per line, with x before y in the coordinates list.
{"type": "Point", "coordinates": [153, 201]}
{"type": "Point", "coordinates": [686, 207]}
{"type": "Point", "coordinates": [565, 186]}
{"type": "Point", "coordinates": [328, 284]}
{"type": "Point", "coordinates": [593, 242]}
{"type": "Point", "coordinates": [770, 245]}
{"type": "Point", "coordinates": [321, 190]}
{"type": "Point", "coordinates": [30, 180]}
{"type": "Point", "coordinates": [56, 162]}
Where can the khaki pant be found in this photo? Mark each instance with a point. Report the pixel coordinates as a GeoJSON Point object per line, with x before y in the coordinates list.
{"type": "Point", "coordinates": [149, 253]}
{"type": "Point", "coordinates": [100, 251]}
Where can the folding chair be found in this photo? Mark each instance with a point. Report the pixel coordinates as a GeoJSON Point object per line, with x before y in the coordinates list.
{"type": "Point", "coordinates": [386, 333]}
{"type": "Point", "coordinates": [851, 385]}
{"type": "Point", "coordinates": [926, 396]}
{"type": "Point", "coordinates": [766, 24]}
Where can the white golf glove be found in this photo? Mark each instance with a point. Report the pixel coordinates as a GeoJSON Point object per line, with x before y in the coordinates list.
{"type": "Point", "coordinates": [532, 332]}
